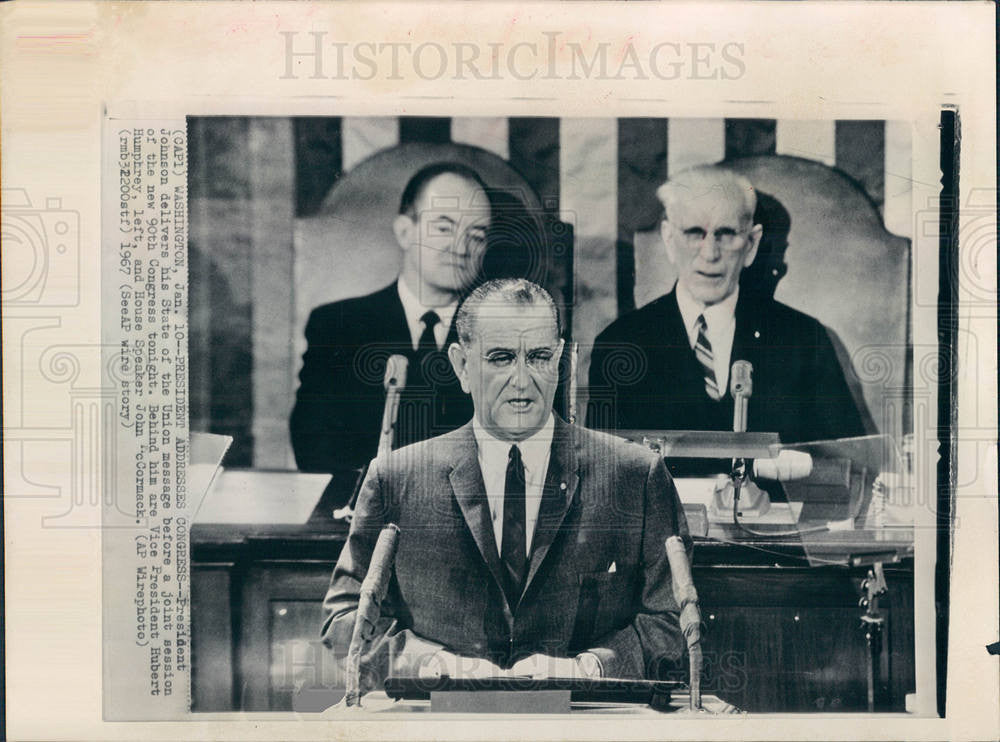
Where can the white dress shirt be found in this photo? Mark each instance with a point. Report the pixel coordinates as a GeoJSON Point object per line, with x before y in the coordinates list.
{"type": "Point", "coordinates": [493, 456]}
{"type": "Point", "coordinates": [414, 310]}
{"type": "Point", "coordinates": [720, 321]}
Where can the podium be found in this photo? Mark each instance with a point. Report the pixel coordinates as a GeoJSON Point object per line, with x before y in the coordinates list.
{"type": "Point", "coordinates": [844, 516]}
{"type": "Point", "coordinates": [379, 705]}
{"type": "Point", "coordinates": [529, 695]}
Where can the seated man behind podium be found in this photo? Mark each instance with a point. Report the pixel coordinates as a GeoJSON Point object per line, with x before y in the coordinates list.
{"type": "Point", "coordinates": [441, 229]}
{"type": "Point", "coordinates": [525, 543]}
{"type": "Point", "coordinates": [667, 365]}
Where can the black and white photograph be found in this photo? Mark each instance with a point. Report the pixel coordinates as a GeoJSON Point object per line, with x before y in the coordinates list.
{"type": "Point", "coordinates": [726, 297]}
{"type": "Point", "coordinates": [500, 371]}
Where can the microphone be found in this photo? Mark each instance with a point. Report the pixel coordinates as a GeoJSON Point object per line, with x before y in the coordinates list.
{"type": "Point", "coordinates": [395, 383]}
{"type": "Point", "coordinates": [373, 590]}
{"type": "Point", "coordinates": [690, 617]}
{"type": "Point", "coordinates": [741, 387]}
{"type": "Point", "coordinates": [787, 466]}
{"type": "Point", "coordinates": [574, 360]}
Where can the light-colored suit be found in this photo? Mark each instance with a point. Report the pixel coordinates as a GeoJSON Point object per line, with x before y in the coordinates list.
{"type": "Point", "coordinates": [598, 578]}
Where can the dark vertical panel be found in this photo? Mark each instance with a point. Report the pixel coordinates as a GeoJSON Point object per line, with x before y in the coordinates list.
{"type": "Point", "coordinates": [211, 639]}
{"type": "Point", "coordinates": [901, 677]}
{"type": "Point", "coordinates": [318, 160]}
{"type": "Point", "coordinates": [947, 318]}
{"type": "Point", "coordinates": [860, 152]}
{"type": "Point", "coordinates": [217, 166]}
{"type": "Point", "coordinates": [199, 314]}
{"type": "Point", "coordinates": [625, 277]}
{"type": "Point", "coordinates": [642, 166]}
{"type": "Point", "coordinates": [220, 296]}
{"type": "Point", "coordinates": [746, 137]}
{"type": "Point", "coordinates": [272, 279]}
{"type": "Point", "coordinates": [534, 153]}
{"type": "Point", "coordinates": [432, 129]}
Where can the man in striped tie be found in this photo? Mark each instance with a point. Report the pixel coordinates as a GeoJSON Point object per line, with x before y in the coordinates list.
{"type": "Point", "coordinates": [666, 365]}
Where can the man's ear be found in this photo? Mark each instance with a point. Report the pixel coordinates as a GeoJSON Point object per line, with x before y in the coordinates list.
{"type": "Point", "coordinates": [753, 237]}
{"type": "Point", "coordinates": [668, 235]}
{"type": "Point", "coordinates": [405, 230]}
{"type": "Point", "coordinates": [460, 364]}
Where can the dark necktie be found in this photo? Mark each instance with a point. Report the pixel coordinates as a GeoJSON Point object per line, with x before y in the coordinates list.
{"type": "Point", "coordinates": [703, 352]}
{"type": "Point", "coordinates": [428, 343]}
{"type": "Point", "coordinates": [513, 550]}
{"type": "Point", "coordinates": [417, 417]}
{"type": "Point", "coordinates": [426, 347]}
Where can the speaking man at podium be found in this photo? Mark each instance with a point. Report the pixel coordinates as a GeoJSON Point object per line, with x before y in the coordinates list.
{"type": "Point", "coordinates": [526, 545]}
{"type": "Point", "coordinates": [667, 364]}
{"type": "Point", "coordinates": [441, 228]}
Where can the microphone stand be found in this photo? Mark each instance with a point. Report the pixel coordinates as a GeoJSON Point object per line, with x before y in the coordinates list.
{"type": "Point", "coordinates": [395, 381]}
{"type": "Point", "coordinates": [873, 621]}
{"type": "Point", "coordinates": [686, 597]}
{"type": "Point", "coordinates": [741, 387]}
{"type": "Point", "coordinates": [373, 591]}
{"type": "Point", "coordinates": [574, 359]}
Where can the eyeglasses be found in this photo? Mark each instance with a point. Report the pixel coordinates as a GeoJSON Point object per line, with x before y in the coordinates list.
{"type": "Point", "coordinates": [726, 238]}
{"type": "Point", "coordinates": [472, 237]}
{"type": "Point", "coordinates": [541, 360]}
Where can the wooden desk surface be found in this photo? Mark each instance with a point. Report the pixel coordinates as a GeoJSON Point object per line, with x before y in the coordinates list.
{"type": "Point", "coordinates": [289, 515]}
{"type": "Point", "coordinates": [378, 703]}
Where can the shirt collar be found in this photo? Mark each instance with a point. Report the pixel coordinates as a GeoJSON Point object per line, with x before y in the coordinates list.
{"type": "Point", "coordinates": [534, 449]}
{"type": "Point", "coordinates": [716, 316]}
{"type": "Point", "coordinates": [415, 309]}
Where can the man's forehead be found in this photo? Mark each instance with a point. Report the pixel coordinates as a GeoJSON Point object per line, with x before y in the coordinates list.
{"type": "Point", "coordinates": [450, 192]}
{"type": "Point", "coordinates": [501, 323]}
{"type": "Point", "coordinates": [712, 207]}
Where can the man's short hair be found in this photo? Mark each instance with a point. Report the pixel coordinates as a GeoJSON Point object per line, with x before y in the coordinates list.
{"type": "Point", "coordinates": [699, 181]}
{"type": "Point", "coordinates": [508, 291]}
{"type": "Point", "coordinates": [416, 185]}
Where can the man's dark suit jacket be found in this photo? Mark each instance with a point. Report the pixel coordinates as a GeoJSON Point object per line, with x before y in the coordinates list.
{"type": "Point", "coordinates": [598, 578]}
{"type": "Point", "coordinates": [644, 374]}
{"type": "Point", "coordinates": [338, 406]}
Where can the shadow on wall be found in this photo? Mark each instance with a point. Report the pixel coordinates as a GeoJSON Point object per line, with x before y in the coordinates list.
{"type": "Point", "coordinates": [762, 277]}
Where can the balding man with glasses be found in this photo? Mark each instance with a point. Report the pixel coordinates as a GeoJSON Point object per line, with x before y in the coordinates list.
{"type": "Point", "coordinates": [441, 227]}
